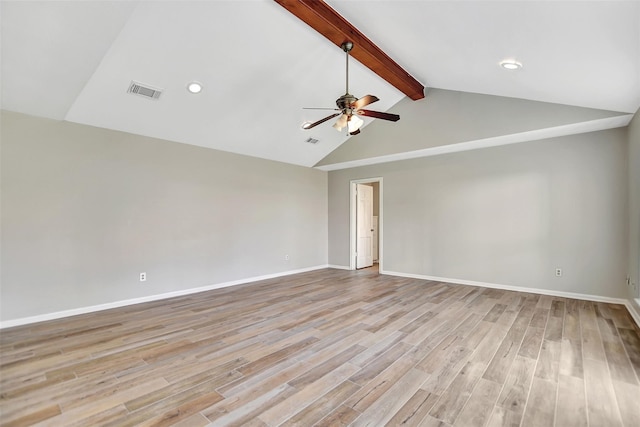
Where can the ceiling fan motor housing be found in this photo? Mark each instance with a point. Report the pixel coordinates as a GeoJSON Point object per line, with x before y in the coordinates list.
{"type": "Point", "coordinates": [345, 102]}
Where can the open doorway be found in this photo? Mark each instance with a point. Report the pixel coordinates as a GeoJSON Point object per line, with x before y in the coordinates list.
{"type": "Point", "coordinates": [365, 225]}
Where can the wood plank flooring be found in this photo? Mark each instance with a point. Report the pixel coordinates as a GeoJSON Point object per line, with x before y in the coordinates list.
{"type": "Point", "coordinates": [329, 348]}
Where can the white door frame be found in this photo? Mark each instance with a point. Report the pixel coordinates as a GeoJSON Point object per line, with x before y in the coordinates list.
{"type": "Point", "coordinates": [352, 221]}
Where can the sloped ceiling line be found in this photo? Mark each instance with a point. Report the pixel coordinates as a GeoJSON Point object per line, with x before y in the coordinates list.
{"type": "Point", "coordinates": [534, 135]}
{"type": "Point", "coordinates": [321, 17]}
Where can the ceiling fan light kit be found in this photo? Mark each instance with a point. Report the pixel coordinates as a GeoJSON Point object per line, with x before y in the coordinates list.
{"type": "Point", "coordinates": [354, 123]}
{"type": "Point", "coordinates": [350, 107]}
{"type": "Point", "coordinates": [340, 123]}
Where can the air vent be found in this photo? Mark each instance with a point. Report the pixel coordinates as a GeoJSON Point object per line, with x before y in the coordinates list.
{"type": "Point", "coordinates": [311, 140]}
{"type": "Point", "coordinates": [143, 90]}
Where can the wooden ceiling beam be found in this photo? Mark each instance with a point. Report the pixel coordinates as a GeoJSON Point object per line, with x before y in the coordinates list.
{"type": "Point", "coordinates": [329, 23]}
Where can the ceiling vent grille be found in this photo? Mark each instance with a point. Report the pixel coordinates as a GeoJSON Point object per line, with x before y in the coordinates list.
{"type": "Point", "coordinates": [311, 140]}
{"type": "Point", "coordinates": [143, 90]}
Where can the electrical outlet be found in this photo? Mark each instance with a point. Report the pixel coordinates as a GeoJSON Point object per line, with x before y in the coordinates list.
{"type": "Point", "coordinates": [286, 257]}
{"type": "Point", "coordinates": [143, 277]}
{"type": "Point", "coordinates": [558, 272]}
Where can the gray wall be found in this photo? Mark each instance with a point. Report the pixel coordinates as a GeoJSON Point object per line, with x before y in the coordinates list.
{"type": "Point", "coordinates": [376, 198]}
{"type": "Point", "coordinates": [634, 210]}
{"type": "Point", "coordinates": [507, 215]}
{"type": "Point", "coordinates": [85, 210]}
{"type": "Point", "coordinates": [446, 117]}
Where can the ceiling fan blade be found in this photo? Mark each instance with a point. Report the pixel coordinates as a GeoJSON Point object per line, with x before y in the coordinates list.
{"type": "Point", "coordinates": [355, 132]}
{"type": "Point", "coordinates": [312, 125]}
{"type": "Point", "coordinates": [379, 115]}
{"type": "Point", "coordinates": [364, 101]}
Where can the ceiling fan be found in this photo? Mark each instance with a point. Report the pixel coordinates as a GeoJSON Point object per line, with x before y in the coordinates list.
{"type": "Point", "coordinates": [350, 107]}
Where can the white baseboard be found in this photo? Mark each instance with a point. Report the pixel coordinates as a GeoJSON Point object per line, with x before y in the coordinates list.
{"type": "Point", "coordinates": [573, 295]}
{"type": "Point", "coordinates": [84, 310]}
{"type": "Point", "coordinates": [633, 312]}
{"type": "Point", "coordinates": [116, 304]}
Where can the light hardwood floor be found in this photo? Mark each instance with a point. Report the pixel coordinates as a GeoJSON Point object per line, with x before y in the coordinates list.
{"type": "Point", "coordinates": [329, 348]}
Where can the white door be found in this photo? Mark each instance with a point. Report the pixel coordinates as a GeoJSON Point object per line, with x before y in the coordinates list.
{"type": "Point", "coordinates": [374, 225]}
{"type": "Point", "coordinates": [364, 228]}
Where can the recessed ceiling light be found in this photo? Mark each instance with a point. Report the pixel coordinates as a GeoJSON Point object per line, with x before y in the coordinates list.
{"type": "Point", "coordinates": [510, 64]}
{"type": "Point", "coordinates": [194, 87]}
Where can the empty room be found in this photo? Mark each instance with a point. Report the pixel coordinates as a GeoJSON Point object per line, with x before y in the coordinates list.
{"type": "Point", "coordinates": [320, 213]}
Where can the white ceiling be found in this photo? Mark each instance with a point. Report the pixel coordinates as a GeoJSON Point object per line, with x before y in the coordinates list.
{"type": "Point", "coordinates": [260, 65]}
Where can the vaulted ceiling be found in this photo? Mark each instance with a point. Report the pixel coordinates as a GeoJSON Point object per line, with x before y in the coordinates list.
{"type": "Point", "coordinates": [260, 65]}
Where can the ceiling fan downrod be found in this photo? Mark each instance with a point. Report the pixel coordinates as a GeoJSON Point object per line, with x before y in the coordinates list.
{"type": "Point", "coordinates": [345, 102]}
{"type": "Point", "coordinates": [347, 46]}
